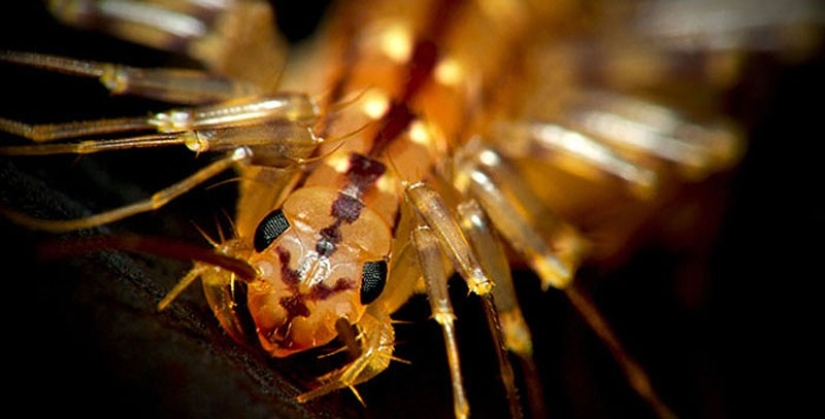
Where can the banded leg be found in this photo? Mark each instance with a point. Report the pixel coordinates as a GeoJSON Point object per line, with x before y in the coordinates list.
{"type": "Point", "coordinates": [435, 276]}
{"type": "Point", "coordinates": [154, 202]}
{"type": "Point", "coordinates": [608, 135]}
{"type": "Point", "coordinates": [275, 144]}
{"type": "Point", "coordinates": [166, 84]}
{"type": "Point", "coordinates": [290, 107]}
{"type": "Point", "coordinates": [434, 212]}
{"type": "Point", "coordinates": [236, 39]}
{"type": "Point", "coordinates": [517, 337]}
{"type": "Point", "coordinates": [377, 339]}
{"type": "Point", "coordinates": [483, 174]}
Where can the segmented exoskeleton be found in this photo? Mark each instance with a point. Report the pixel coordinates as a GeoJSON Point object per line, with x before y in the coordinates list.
{"type": "Point", "coordinates": [471, 89]}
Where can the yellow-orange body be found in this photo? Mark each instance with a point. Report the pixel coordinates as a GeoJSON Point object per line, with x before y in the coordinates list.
{"type": "Point", "coordinates": [410, 103]}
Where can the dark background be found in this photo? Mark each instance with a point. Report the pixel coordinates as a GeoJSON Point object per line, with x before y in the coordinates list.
{"type": "Point", "coordinates": [83, 336]}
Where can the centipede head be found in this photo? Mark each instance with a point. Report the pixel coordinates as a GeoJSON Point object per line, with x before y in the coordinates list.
{"type": "Point", "coordinates": [320, 259]}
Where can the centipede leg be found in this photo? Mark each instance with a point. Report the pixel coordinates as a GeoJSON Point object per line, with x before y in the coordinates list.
{"type": "Point", "coordinates": [432, 209]}
{"type": "Point", "coordinates": [434, 272]}
{"type": "Point", "coordinates": [42, 133]}
{"type": "Point", "coordinates": [155, 201]}
{"type": "Point", "coordinates": [554, 258]}
{"type": "Point", "coordinates": [377, 344]}
{"type": "Point", "coordinates": [516, 333]}
{"type": "Point", "coordinates": [173, 85]}
{"type": "Point", "coordinates": [235, 39]}
{"type": "Point", "coordinates": [482, 175]}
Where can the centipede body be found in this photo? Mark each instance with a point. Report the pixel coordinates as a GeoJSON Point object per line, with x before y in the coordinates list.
{"type": "Point", "coordinates": [68, 326]}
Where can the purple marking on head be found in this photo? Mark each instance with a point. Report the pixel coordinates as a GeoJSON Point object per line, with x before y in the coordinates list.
{"type": "Point", "coordinates": [295, 307]}
{"type": "Point", "coordinates": [295, 304]}
{"type": "Point", "coordinates": [323, 291]}
{"type": "Point", "coordinates": [289, 276]}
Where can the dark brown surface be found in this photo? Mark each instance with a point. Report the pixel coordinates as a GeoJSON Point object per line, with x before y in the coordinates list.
{"type": "Point", "coordinates": [83, 335]}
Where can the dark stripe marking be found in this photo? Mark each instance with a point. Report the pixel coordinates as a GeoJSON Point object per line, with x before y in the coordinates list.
{"type": "Point", "coordinates": [323, 291]}
{"type": "Point", "coordinates": [363, 172]}
{"type": "Point", "coordinates": [346, 208]}
{"type": "Point", "coordinates": [393, 123]}
{"type": "Point", "coordinates": [295, 307]}
{"type": "Point", "coordinates": [296, 304]}
{"type": "Point", "coordinates": [289, 276]}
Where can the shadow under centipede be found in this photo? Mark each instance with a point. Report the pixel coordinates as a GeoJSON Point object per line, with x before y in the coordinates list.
{"type": "Point", "coordinates": [85, 330]}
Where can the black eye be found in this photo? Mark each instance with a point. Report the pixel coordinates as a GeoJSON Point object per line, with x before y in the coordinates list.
{"type": "Point", "coordinates": [373, 280]}
{"type": "Point", "coordinates": [272, 226]}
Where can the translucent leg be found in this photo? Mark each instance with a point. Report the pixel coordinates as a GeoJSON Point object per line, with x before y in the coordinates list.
{"type": "Point", "coordinates": [51, 132]}
{"type": "Point", "coordinates": [289, 107]}
{"type": "Point", "coordinates": [555, 258]}
{"type": "Point", "coordinates": [236, 39]}
{"type": "Point", "coordinates": [156, 201]}
{"type": "Point", "coordinates": [165, 84]}
{"type": "Point", "coordinates": [574, 151]}
{"type": "Point", "coordinates": [435, 214]}
{"type": "Point", "coordinates": [516, 334]}
{"type": "Point", "coordinates": [95, 146]}
{"type": "Point", "coordinates": [444, 225]}
{"type": "Point", "coordinates": [483, 174]}
{"type": "Point", "coordinates": [610, 134]}
{"type": "Point", "coordinates": [636, 376]}
{"type": "Point", "coordinates": [432, 266]}
{"type": "Point", "coordinates": [646, 128]}
{"type": "Point", "coordinates": [377, 343]}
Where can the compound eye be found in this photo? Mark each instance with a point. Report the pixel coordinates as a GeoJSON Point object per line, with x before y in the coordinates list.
{"type": "Point", "coordinates": [270, 228]}
{"type": "Point", "coordinates": [372, 280]}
